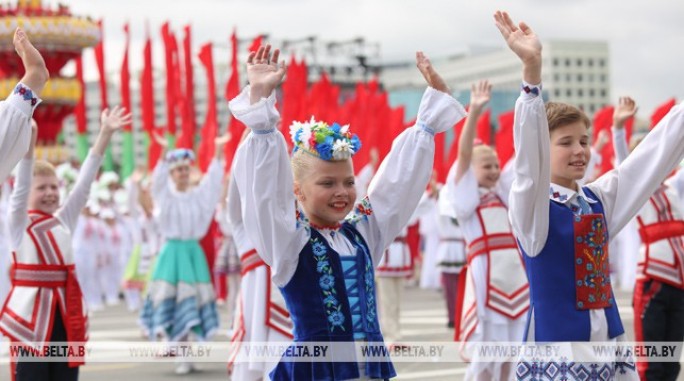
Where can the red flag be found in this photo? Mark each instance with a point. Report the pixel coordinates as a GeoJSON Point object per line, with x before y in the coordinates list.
{"type": "Point", "coordinates": [126, 79]}
{"type": "Point", "coordinates": [661, 111]}
{"type": "Point", "coordinates": [147, 103]}
{"type": "Point", "coordinates": [294, 94]}
{"type": "Point", "coordinates": [484, 129]}
{"type": "Point", "coordinates": [188, 115]}
{"type": "Point", "coordinates": [99, 58]}
{"type": "Point", "coordinates": [504, 138]}
{"type": "Point", "coordinates": [207, 147]}
{"type": "Point", "coordinates": [256, 43]}
{"type": "Point", "coordinates": [170, 78]}
{"type": "Point", "coordinates": [235, 127]}
{"type": "Point", "coordinates": [80, 109]}
{"type": "Point", "coordinates": [603, 120]}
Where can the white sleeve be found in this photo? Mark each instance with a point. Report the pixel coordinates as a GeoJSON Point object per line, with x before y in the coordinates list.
{"type": "Point", "coordinates": [264, 182]}
{"type": "Point", "coordinates": [210, 186]}
{"type": "Point", "coordinates": [68, 213]}
{"type": "Point", "coordinates": [464, 195]}
{"type": "Point", "coordinates": [620, 145]}
{"type": "Point", "coordinates": [402, 177]}
{"type": "Point", "coordinates": [160, 179]}
{"type": "Point", "coordinates": [15, 128]}
{"type": "Point", "coordinates": [625, 189]}
{"type": "Point", "coordinates": [528, 202]}
{"type": "Point", "coordinates": [18, 216]}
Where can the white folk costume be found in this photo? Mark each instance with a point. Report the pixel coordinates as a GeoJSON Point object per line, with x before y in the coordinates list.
{"type": "Point", "coordinates": [43, 275]}
{"type": "Point", "coordinates": [659, 290]}
{"type": "Point", "coordinates": [570, 300]}
{"type": "Point", "coordinates": [15, 127]}
{"type": "Point", "coordinates": [395, 266]}
{"type": "Point", "coordinates": [428, 223]}
{"type": "Point", "coordinates": [493, 294]}
{"type": "Point", "coordinates": [180, 296]}
{"type": "Point", "coordinates": [5, 252]}
{"type": "Point", "coordinates": [146, 242]}
{"type": "Point", "coordinates": [227, 264]}
{"type": "Point", "coordinates": [334, 262]}
{"type": "Point", "coordinates": [261, 315]}
{"type": "Point", "coordinates": [88, 244]}
{"type": "Point", "coordinates": [451, 254]}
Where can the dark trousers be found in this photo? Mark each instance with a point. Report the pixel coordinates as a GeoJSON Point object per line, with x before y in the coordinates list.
{"type": "Point", "coordinates": [658, 316]}
{"type": "Point", "coordinates": [450, 288]}
{"type": "Point", "coordinates": [47, 371]}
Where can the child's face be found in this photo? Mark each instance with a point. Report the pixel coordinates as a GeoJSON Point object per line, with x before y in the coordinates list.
{"type": "Point", "coordinates": [328, 192]}
{"type": "Point", "coordinates": [181, 176]}
{"type": "Point", "coordinates": [486, 168]}
{"type": "Point", "coordinates": [44, 194]}
{"type": "Point", "coordinates": [570, 153]}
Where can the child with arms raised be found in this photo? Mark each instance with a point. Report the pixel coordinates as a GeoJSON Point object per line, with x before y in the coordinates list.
{"type": "Point", "coordinates": [564, 228]}
{"type": "Point", "coordinates": [322, 262]}
{"type": "Point", "coordinates": [44, 286]}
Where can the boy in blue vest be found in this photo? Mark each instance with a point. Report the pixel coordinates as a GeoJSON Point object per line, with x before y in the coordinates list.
{"type": "Point", "coordinates": [563, 228]}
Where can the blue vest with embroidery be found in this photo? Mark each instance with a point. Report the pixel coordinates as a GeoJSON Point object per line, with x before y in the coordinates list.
{"type": "Point", "coordinates": [553, 287]}
{"type": "Point", "coordinates": [318, 301]}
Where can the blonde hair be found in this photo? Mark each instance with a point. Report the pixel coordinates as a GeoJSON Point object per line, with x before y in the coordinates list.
{"type": "Point", "coordinates": [483, 149]}
{"type": "Point", "coordinates": [562, 114]}
{"type": "Point", "coordinates": [301, 164]}
{"type": "Point", "coordinates": [43, 168]}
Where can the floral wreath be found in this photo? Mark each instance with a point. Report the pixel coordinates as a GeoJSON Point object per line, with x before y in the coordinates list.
{"type": "Point", "coordinates": [180, 156]}
{"type": "Point", "coordinates": [326, 142]}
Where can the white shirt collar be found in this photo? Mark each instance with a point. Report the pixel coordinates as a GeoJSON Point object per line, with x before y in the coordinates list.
{"type": "Point", "coordinates": [564, 195]}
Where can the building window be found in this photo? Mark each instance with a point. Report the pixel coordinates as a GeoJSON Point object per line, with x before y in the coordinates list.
{"type": "Point", "coordinates": [592, 92]}
{"type": "Point", "coordinates": [602, 62]}
{"type": "Point", "coordinates": [580, 93]}
{"type": "Point", "coordinates": [603, 78]}
{"type": "Point", "coordinates": [568, 78]}
{"type": "Point", "coordinates": [592, 108]}
{"type": "Point", "coordinates": [591, 78]}
{"type": "Point", "coordinates": [555, 62]}
{"type": "Point", "coordinates": [579, 77]}
{"type": "Point", "coordinates": [567, 62]}
{"type": "Point", "coordinates": [568, 93]}
{"type": "Point", "coordinates": [579, 62]}
{"type": "Point", "coordinates": [590, 62]}
{"type": "Point", "coordinates": [603, 92]}
{"type": "Point", "coordinates": [556, 93]}
{"type": "Point", "coordinates": [556, 77]}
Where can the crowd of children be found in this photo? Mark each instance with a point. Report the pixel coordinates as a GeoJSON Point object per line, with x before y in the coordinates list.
{"type": "Point", "coordinates": [309, 252]}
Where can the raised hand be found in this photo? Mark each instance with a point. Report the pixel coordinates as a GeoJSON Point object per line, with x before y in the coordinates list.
{"type": "Point", "coordinates": [263, 72]}
{"type": "Point", "coordinates": [625, 109]}
{"type": "Point", "coordinates": [524, 43]}
{"type": "Point", "coordinates": [431, 76]}
{"type": "Point", "coordinates": [159, 139]}
{"type": "Point", "coordinates": [601, 140]}
{"type": "Point", "coordinates": [480, 94]}
{"type": "Point", "coordinates": [223, 139]}
{"type": "Point", "coordinates": [36, 73]}
{"type": "Point", "coordinates": [115, 119]}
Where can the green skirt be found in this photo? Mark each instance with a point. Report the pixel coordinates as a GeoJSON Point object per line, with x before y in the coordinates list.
{"type": "Point", "coordinates": [180, 297]}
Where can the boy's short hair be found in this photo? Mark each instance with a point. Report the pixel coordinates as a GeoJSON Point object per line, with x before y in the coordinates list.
{"type": "Point", "coordinates": [43, 168]}
{"type": "Point", "coordinates": [562, 114]}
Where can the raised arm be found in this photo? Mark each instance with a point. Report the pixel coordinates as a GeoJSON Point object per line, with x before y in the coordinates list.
{"type": "Point", "coordinates": [111, 121]}
{"type": "Point", "coordinates": [18, 216]}
{"type": "Point", "coordinates": [625, 189]}
{"type": "Point", "coordinates": [480, 94]}
{"type": "Point", "coordinates": [402, 177]}
{"type": "Point", "coordinates": [262, 170]}
{"type": "Point", "coordinates": [529, 196]}
{"type": "Point", "coordinates": [625, 110]}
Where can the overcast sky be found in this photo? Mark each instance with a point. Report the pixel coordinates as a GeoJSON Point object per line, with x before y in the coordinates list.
{"type": "Point", "coordinates": [646, 38]}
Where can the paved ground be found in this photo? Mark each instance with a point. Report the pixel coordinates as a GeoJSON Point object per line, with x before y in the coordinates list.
{"type": "Point", "coordinates": [423, 319]}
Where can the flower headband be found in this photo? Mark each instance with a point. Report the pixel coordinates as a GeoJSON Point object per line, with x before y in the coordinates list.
{"type": "Point", "coordinates": [326, 142]}
{"type": "Point", "coordinates": [180, 156]}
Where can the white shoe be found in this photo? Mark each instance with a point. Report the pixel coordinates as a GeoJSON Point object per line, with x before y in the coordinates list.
{"type": "Point", "coordinates": [183, 368]}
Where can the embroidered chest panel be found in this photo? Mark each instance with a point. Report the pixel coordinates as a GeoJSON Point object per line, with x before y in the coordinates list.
{"type": "Point", "coordinates": [592, 273]}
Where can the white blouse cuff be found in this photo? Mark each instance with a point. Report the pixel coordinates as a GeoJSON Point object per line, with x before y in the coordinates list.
{"type": "Point", "coordinates": [23, 98]}
{"type": "Point", "coordinates": [260, 117]}
{"type": "Point", "coordinates": [438, 111]}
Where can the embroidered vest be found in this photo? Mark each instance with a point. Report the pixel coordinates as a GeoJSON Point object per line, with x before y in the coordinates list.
{"type": "Point", "coordinates": [570, 276]}
{"type": "Point", "coordinates": [661, 227]}
{"type": "Point", "coordinates": [318, 302]}
{"type": "Point", "coordinates": [42, 270]}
